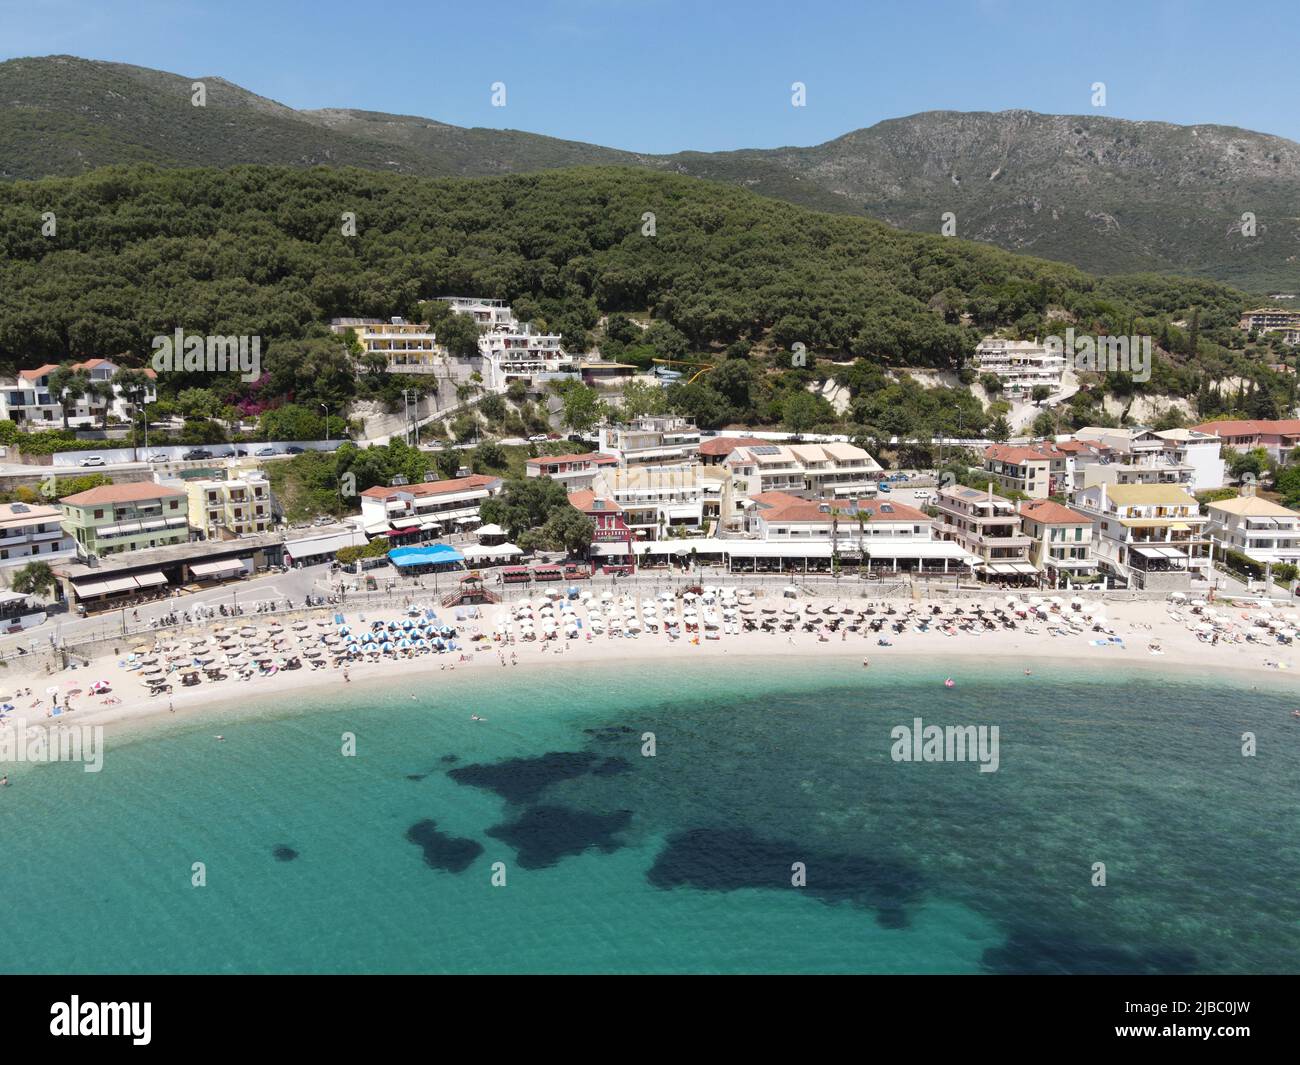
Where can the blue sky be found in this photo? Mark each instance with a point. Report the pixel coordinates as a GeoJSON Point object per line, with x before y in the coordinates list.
{"type": "Point", "coordinates": [665, 75]}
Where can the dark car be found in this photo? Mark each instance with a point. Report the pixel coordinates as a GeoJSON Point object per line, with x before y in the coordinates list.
{"type": "Point", "coordinates": [197, 453]}
{"type": "Point", "coordinates": [293, 451]}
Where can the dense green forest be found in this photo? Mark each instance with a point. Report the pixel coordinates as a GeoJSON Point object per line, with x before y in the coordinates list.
{"type": "Point", "coordinates": [727, 275]}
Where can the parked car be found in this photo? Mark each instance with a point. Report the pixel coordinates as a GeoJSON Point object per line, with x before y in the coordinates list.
{"type": "Point", "coordinates": [263, 452]}
{"type": "Point", "coordinates": [241, 452]}
{"type": "Point", "coordinates": [197, 453]}
{"type": "Point", "coordinates": [158, 456]}
{"type": "Point", "coordinates": [293, 451]}
{"type": "Point", "coordinates": [541, 439]}
{"type": "Point", "coordinates": [94, 460]}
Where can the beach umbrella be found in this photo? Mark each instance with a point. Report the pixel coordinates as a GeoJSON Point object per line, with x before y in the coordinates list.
{"type": "Point", "coordinates": [791, 609]}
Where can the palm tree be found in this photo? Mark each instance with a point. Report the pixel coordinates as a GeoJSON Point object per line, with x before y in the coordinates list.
{"type": "Point", "coordinates": [35, 578]}
{"type": "Point", "coordinates": [67, 383]}
{"type": "Point", "coordinates": [134, 385]}
{"type": "Point", "coordinates": [103, 392]}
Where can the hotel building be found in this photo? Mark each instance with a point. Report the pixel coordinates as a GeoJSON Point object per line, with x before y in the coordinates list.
{"type": "Point", "coordinates": [126, 517]}
{"type": "Point", "coordinates": [654, 440]}
{"type": "Point", "coordinates": [424, 511]}
{"type": "Point", "coordinates": [989, 527]}
{"type": "Point", "coordinates": [573, 471]}
{"type": "Point", "coordinates": [1264, 531]}
{"type": "Point", "coordinates": [224, 510]}
{"type": "Point", "coordinates": [1278, 437]}
{"type": "Point", "coordinates": [406, 347]}
{"type": "Point", "coordinates": [1020, 364]}
{"type": "Point", "coordinates": [1269, 320]}
{"type": "Point", "coordinates": [30, 532]}
{"type": "Point", "coordinates": [1150, 536]}
{"type": "Point", "coordinates": [28, 400]}
{"type": "Point", "coordinates": [1061, 540]}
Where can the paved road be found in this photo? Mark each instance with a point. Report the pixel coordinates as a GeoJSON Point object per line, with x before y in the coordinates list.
{"type": "Point", "coordinates": [64, 628]}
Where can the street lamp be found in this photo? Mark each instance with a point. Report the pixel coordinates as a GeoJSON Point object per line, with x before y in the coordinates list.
{"type": "Point", "coordinates": [326, 409]}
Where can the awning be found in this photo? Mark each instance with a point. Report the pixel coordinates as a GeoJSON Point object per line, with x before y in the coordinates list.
{"type": "Point", "coordinates": [211, 569]}
{"type": "Point", "coordinates": [88, 588]}
{"type": "Point", "coordinates": [432, 554]}
{"type": "Point", "coordinates": [400, 524]}
{"type": "Point", "coordinates": [160, 523]}
{"type": "Point", "coordinates": [120, 584]}
{"type": "Point", "coordinates": [152, 579]}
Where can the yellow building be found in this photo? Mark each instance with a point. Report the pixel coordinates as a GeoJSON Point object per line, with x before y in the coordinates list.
{"type": "Point", "coordinates": [224, 510]}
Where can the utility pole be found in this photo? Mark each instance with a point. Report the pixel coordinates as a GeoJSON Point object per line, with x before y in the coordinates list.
{"type": "Point", "coordinates": [326, 409]}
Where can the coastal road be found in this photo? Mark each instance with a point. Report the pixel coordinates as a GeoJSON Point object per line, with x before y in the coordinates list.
{"type": "Point", "coordinates": [64, 628]}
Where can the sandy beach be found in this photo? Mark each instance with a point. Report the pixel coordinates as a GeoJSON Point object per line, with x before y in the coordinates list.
{"type": "Point", "coordinates": [1030, 632]}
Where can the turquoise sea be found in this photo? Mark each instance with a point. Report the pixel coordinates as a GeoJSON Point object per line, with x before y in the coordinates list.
{"type": "Point", "coordinates": [681, 862]}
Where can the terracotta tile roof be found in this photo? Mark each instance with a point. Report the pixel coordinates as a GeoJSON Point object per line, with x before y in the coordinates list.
{"type": "Point", "coordinates": [783, 507]}
{"type": "Point", "coordinates": [122, 493]}
{"type": "Point", "coordinates": [432, 488]}
{"type": "Point", "coordinates": [725, 445]}
{"type": "Point", "coordinates": [89, 364]}
{"type": "Point", "coordinates": [596, 458]}
{"type": "Point", "coordinates": [1015, 454]}
{"type": "Point", "coordinates": [1052, 513]}
{"type": "Point", "coordinates": [1229, 427]}
{"type": "Point", "coordinates": [585, 501]}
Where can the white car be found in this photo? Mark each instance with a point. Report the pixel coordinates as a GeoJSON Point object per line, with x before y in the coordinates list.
{"type": "Point", "coordinates": [94, 460]}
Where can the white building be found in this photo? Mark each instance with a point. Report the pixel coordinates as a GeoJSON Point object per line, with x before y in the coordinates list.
{"type": "Point", "coordinates": [516, 351]}
{"type": "Point", "coordinates": [1263, 531]}
{"type": "Point", "coordinates": [489, 314]}
{"type": "Point", "coordinates": [655, 499]}
{"type": "Point", "coordinates": [1151, 536]}
{"type": "Point", "coordinates": [831, 471]}
{"type": "Point", "coordinates": [28, 400]}
{"type": "Point", "coordinates": [1188, 457]}
{"type": "Point", "coordinates": [509, 349]}
{"type": "Point", "coordinates": [572, 471]}
{"type": "Point", "coordinates": [989, 527]}
{"type": "Point", "coordinates": [30, 532]}
{"type": "Point", "coordinates": [1020, 364]}
{"type": "Point", "coordinates": [423, 511]}
{"type": "Point", "coordinates": [654, 440]}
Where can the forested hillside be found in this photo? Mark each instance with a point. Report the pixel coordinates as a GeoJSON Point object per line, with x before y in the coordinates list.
{"type": "Point", "coordinates": [261, 251]}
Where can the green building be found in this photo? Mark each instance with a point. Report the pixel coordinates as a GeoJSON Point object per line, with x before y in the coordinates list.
{"type": "Point", "coordinates": [126, 517]}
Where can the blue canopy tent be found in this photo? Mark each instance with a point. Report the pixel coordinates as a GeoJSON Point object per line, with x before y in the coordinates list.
{"type": "Point", "coordinates": [425, 555]}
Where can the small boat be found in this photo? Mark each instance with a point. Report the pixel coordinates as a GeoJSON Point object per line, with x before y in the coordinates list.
{"type": "Point", "coordinates": [950, 683]}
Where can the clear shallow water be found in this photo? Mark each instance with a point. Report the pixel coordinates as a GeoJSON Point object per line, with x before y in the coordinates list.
{"type": "Point", "coordinates": [681, 862]}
